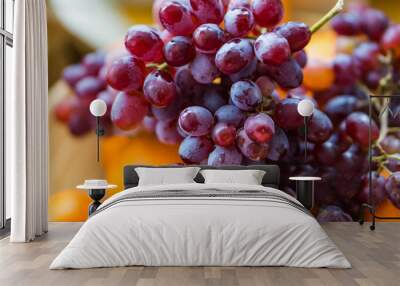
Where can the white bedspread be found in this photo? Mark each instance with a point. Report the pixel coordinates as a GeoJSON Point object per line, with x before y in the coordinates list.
{"type": "Point", "coordinates": [185, 231]}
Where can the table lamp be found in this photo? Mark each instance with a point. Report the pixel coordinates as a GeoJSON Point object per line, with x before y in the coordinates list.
{"type": "Point", "coordinates": [98, 108]}
{"type": "Point", "coordinates": [305, 108]}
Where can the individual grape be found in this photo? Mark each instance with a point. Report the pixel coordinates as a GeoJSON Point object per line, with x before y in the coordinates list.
{"type": "Point", "coordinates": [318, 75]}
{"type": "Point", "coordinates": [374, 24]}
{"type": "Point", "coordinates": [286, 115]}
{"type": "Point", "coordinates": [203, 68]}
{"type": "Point", "coordinates": [391, 144]}
{"type": "Point", "coordinates": [392, 187]}
{"type": "Point", "coordinates": [88, 88]}
{"type": "Point", "coordinates": [128, 110]}
{"type": "Point", "coordinates": [246, 95]}
{"type": "Point", "coordinates": [272, 49]}
{"type": "Point", "coordinates": [239, 4]}
{"type": "Point", "coordinates": [223, 134]}
{"type": "Point", "coordinates": [347, 24]}
{"type": "Point", "coordinates": [326, 153]}
{"type": "Point", "coordinates": [177, 18]}
{"type": "Point", "coordinates": [208, 38]}
{"type": "Point", "coordinates": [250, 149]}
{"type": "Point", "coordinates": [366, 56]}
{"type": "Point", "coordinates": [278, 146]}
{"type": "Point", "coordinates": [267, 13]}
{"type": "Point", "coordinates": [159, 88]}
{"type": "Point", "coordinates": [378, 193]}
{"type": "Point", "coordinates": [332, 213]}
{"type": "Point", "coordinates": [357, 127]}
{"type": "Point", "coordinates": [266, 85]}
{"type": "Point", "coordinates": [213, 98]}
{"type": "Point", "coordinates": [231, 115]}
{"type": "Point", "coordinates": [393, 165]}
{"type": "Point", "coordinates": [179, 51]}
{"type": "Point", "coordinates": [234, 55]}
{"type": "Point", "coordinates": [297, 34]}
{"type": "Point", "coordinates": [221, 156]}
{"type": "Point", "coordinates": [346, 70]}
{"type": "Point", "coordinates": [391, 39]}
{"type": "Point", "coordinates": [338, 108]}
{"type": "Point", "coordinates": [108, 97]}
{"type": "Point", "coordinates": [348, 163]}
{"type": "Point", "coordinates": [126, 74]}
{"type": "Point", "coordinates": [65, 108]}
{"type": "Point", "coordinates": [320, 127]}
{"type": "Point", "coordinates": [194, 150]}
{"type": "Point", "coordinates": [301, 58]}
{"type": "Point", "coordinates": [93, 62]}
{"type": "Point", "coordinates": [288, 75]}
{"type": "Point", "coordinates": [260, 128]}
{"type": "Point", "coordinates": [149, 123]}
{"type": "Point", "coordinates": [373, 78]}
{"type": "Point", "coordinates": [144, 43]}
{"type": "Point", "coordinates": [73, 74]}
{"type": "Point", "coordinates": [238, 22]}
{"type": "Point", "coordinates": [80, 122]}
{"type": "Point", "coordinates": [196, 121]}
{"type": "Point", "coordinates": [208, 11]}
{"type": "Point", "coordinates": [167, 133]}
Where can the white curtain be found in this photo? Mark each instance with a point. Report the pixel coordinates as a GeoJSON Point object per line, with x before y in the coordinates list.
{"type": "Point", "coordinates": [27, 123]}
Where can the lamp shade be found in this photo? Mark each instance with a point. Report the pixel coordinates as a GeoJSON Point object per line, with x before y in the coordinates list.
{"type": "Point", "coordinates": [98, 107]}
{"type": "Point", "coordinates": [305, 107]}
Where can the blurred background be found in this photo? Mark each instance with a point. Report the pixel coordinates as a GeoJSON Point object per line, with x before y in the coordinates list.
{"type": "Point", "coordinates": [76, 27]}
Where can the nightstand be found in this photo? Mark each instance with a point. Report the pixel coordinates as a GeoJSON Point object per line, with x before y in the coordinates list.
{"type": "Point", "coordinates": [305, 190]}
{"type": "Point", "coordinates": [97, 190]}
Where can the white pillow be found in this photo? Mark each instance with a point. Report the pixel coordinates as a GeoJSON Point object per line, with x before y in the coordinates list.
{"type": "Point", "coordinates": [248, 177]}
{"type": "Point", "coordinates": [166, 176]}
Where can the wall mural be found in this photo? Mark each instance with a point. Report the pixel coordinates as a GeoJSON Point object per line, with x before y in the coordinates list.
{"type": "Point", "coordinates": [186, 100]}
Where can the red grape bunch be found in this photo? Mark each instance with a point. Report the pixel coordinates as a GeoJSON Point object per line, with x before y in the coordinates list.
{"type": "Point", "coordinates": [223, 80]}
{"type": "Point", "coordinates": [87, 81]}
{"type": "Point", "coordinates": [367, 62]}
{"type": "Point", "coordinates": [209, 76]}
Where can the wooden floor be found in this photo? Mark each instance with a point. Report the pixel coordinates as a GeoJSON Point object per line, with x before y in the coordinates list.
{"type": "Point", "coordinates": [375, 257]}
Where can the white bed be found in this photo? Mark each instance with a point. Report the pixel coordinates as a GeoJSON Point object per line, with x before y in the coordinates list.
{"type": "Point", "coordinates": [224, 225]}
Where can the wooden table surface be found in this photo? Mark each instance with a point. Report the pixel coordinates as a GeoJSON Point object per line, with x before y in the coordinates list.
{"type": "Point", "coordinates": [375, 257]}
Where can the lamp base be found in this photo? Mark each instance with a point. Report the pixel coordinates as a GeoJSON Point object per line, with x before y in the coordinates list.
{"type": "Point", "coordinates": [96, 195]}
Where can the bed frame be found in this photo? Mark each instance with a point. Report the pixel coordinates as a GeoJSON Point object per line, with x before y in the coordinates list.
{"type": "Point", "coordinates": [271, 177]}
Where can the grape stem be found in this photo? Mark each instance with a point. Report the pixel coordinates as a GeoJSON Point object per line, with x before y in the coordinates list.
{"type": "Point", "coordinates": [157, 66]}
{"type": "Point", "coordinates": [328, 16]}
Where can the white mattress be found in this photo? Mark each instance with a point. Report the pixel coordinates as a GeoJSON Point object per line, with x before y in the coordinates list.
{"type": "Point", "coordinates": [202, 231]}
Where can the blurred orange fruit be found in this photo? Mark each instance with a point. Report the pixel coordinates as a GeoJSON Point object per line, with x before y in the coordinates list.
{"type": "Point", "coordinates": [318, 74]}
{"type": "Point", "coordinates": [69, 205]}
{"type": "Point", "coordinates": [385, 209]}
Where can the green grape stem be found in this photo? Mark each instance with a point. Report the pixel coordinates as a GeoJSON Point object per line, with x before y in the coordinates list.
{"type": "Point", "coordinates": [161, 66]}
{"type": "Point", "coordinates": [328, 16]}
